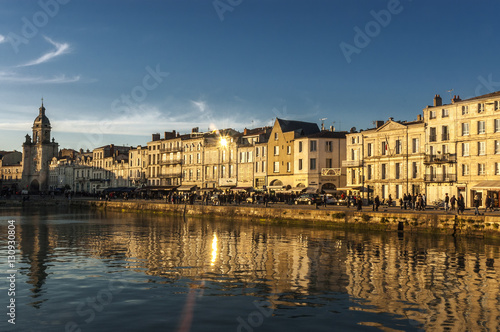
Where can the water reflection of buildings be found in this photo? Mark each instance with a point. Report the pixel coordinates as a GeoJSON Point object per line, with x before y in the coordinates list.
{"type": "Point", "coordinates": [442, 284]}
{"type": "Point", "coordinates": [456, 291]}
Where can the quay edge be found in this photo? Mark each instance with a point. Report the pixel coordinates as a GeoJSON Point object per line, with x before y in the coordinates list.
{"type": "Point", "coordinates": [464, 225]}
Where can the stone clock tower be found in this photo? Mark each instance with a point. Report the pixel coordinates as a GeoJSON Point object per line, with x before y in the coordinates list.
{"type": "Point", "coordinates": [37, 154]}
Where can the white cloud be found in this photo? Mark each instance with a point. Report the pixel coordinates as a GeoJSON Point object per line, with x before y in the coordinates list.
{"type": "Point", "coordinates": [16, 78]}
{"type": "Point", "coordinates": [2, 39]}
{"type": "Point", "coordinates": [201, 105]}
{"type": "Point", "coordinates": [60, 50]}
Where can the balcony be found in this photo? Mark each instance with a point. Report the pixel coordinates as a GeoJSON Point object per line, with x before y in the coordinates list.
{"type": "Point", "coordinates": [171, 162]}
{"type": "Point", "coordinates": [352, 163]}
{"type": "Point", "coordinates": [170, 175]}
{"type": "Point", "coordinates": [172, 149]}
{"type": "Point", "coordinates": [440, 158]}
{"type": "Point", "coordinates": [445, 136]}
{"type": "Point", "coordinates": [440, 177]}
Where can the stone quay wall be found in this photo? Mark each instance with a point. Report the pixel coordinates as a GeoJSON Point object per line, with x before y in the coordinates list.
{"type": "Point", "coordinates": [428, 222]}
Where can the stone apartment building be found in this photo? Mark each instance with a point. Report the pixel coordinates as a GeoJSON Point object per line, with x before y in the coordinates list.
{"type": "Point", "coordinates": [386, 160]}
{"type": "Point", "coordinates": [318, 162]}
{"type": "Point", "coordinates": [251, 164]}
{"type": "Point", "coordinates": [137, 166]}
{"type": "Point", "coordinates": [11, 170]}
{"type": "Point", "coordinates": [280, 147]}
{"type": "Point", "coordinates": [462, 148]}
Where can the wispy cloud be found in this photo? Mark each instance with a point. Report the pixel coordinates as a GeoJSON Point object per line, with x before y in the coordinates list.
{"type": "Point", "coordinates": [2, 39]}
{"type": "Point", "coordinates": [200, 105]}
{"type": "Point", "coordinates": [60, 50]}
{"type": "Point", "coordinates": [16, 78]}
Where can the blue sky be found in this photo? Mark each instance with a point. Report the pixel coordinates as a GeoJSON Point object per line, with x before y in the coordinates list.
{"type": "Point", "coordinates": [118, 71]}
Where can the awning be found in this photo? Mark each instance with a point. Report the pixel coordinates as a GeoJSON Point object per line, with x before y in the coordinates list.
{"type": "Point", "coordinates": [186, 188]}
{"type": "Point", "coordinates": [241, 188]}
{"type": "Point", "coordinates": [311, 190]}
{"type": "Point", "coordinates": [494, 185]}
{"type": "Point", "coordinates": [276, 187]}
{"type": "Point", "coordinates": [297, 189]}
{"type": "Point", "coordinates": [358, 188]}
{"type": "Point", "coordinates": [156, 188]}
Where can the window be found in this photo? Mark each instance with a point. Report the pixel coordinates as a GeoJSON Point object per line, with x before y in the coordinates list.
{"type": "Point", "coordinates": [329, 163]}
{"type": "Point", "coordinates": [276, 167]}
{"type": "Point", "coordinates": [289, 167]}
{"type": "Point", "coordinates": [300, 164]}
{"type": "Point", "coordinates": [432, 114]}
{"type": "Point", "coordinates": [384, 148]}
{"type": "Point", "coordinates": [275, 136]}
{"type": "Point", "coordinates": [398, 170]}
{"type": "Point", "coordinates": [465, 109]}
{"type": "Point", "coordinates": [329, 146]}
{"type": "Point", "coordinates": [465, 149]}
{"type": "Point", "coordinates": [312, 164]}
{"type": "Point", "coordinates": [497, 168]}
{"type": "Point", "coordinates": [415, 145]}
{"type": "Point", "coordinates": [414, 170]}
{"type": "Point", "coordinates": [481, 169]}
{"type": "Point", "coordinates": [369, 149]}
{"type": "Point", "coordinates": [276, 150]}
{"type": "Point", "coordinates": [383, 171]}
{"type": "Point", "coordinates": [257, 152]}
{"type": "Point", "coordinates": [353, 140]}
{"type": "Point", "coordinates": [481, 148]}
{"type": "Point", "coordinates": [465, 169]}
{"type": "Point", "coordinates": [300, 146]}
{"type": "Point", "coordinates": [250, 156]}
{"type": "Point", "coordinates": [480, 108]}
{"type": "Point", "coordinates": [288, 149]}
{"type": "Point", "coordinates": [263, 166]}
{"type": "Point", "coordinates": [444, 133]}
{"type": "Point", "coordinates": [465, 129]}
{"type": "Point", "coordinates": [497, 125]}
{"type": "Point", "coordinates": [369, 171]}
{"type": "Point", "coordinates": [496, 105]}
{"type": "Point", "coordinates": [398, 146]}
{"type": "Point", "coordinates": [313, 146]}
{"type": "Point", "coordinates": [444, 113]}
{"type": "Point", "coordinates": [481, 128]}
{"type": "Point", "coordinates": [432, 134]}
{"type": "Point", "coordinates": [497, 147]}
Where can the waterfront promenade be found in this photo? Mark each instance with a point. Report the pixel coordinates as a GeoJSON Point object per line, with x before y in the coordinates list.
{"type": "Point", "coordinates": [16, 200]}
{"type": "Point", "coordinates": [386, 219]}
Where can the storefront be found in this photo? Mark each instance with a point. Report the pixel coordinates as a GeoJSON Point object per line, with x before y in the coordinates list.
{"type": "Point", "coordinates": [486, 189]}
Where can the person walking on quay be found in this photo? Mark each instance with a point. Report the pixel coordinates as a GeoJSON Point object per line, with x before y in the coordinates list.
{"type": "Point", "coordinates": [453, 200]}
{"type": "Point", "coordinates": [476, 205]}
{"type": "Point", "coordinates": [389, 200]}
{"type": "Point", "coordinates": [324, 199]}
{"type": "Point", "coordinates": [348, 200]}
{"type": "Point", "coordinates": [488, 204]}
{"type": "Point", "coordinates": [377, 202]}
{"type": "Point", "coordinates": [446, 202]}
{"type": "Point", "coordinates": [359, 202]}
{"type": "Point", "coordinates": [460, 204]}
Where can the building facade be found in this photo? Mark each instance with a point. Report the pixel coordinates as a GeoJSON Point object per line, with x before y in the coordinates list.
{"type": "Point", "coordinates": [462, 148]}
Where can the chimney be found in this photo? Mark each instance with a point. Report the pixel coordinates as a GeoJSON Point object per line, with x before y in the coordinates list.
{"type": "Point", "coordinates": [245, 131]}
{"type": "Point", "coordinates": [332, 128]}
{"type": "Point", "coordinates": [353, 130]}
{"type": "Point", "coordinates": [438, 101]}
{"type": "Point", "coordinates": [455, 99]}
{"type": "Point", "coordinates": [195, 130]}
{"type": "Point", "coordinates": [155, 137]}
{"type": "Point", "coordinates": [379, 123]}
{"type": "Point", "coordinates": [419, 117]}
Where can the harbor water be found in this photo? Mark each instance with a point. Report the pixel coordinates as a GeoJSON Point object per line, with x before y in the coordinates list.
{"type": "Point", "coordinates": [92, 270]}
